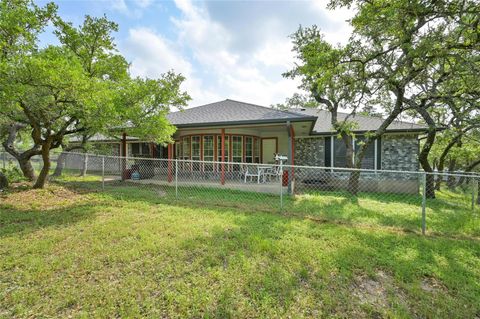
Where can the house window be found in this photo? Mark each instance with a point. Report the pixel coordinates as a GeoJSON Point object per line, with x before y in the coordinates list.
{"type": "Point", "coordinates": [140, 149]}
{"type": "Point", "coordinates": [256, 150]}
{"type": "Point", "coordinates": [219, 148]}
{"type": "Point", "coordinates": [195, 148]}
{"type": "Point", "coordinates": [237, 154]}
{"type": "Point", "coordinates": [237, 145]}
{"type": "Point", "coordinates": [186, 148]}
{"type": "Point", "coordinates": [340, 153]}
{"type": "Point", "coordinates": [195, 152]}
{"type": "Point", "coordinates": [208, 152]}
{"type": "Point", "coordinates": [248, 149]}
{"type": "Point", "coordinates": [238, 148]}
{"type": "Point", "coordinates": [368, 161]}
{"type": "Point", "coordinates": [178, 150]}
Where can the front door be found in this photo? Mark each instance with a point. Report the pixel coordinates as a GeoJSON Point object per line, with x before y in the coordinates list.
{"type": "Point", "coordinates": [269, 148]}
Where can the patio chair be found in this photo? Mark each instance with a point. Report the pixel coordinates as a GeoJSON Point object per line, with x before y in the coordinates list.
{"type": "Point", "coordinates": [273, 172]}
{"type": "Point", "coordinates": [253, 172]}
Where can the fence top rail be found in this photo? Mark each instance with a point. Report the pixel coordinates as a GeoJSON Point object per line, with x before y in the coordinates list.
{"type": "Point", "coordinates": [285, 166]}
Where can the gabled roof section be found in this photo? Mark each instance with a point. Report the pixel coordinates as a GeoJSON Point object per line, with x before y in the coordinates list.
{"type": "Point", "coordinates": [364, 122]}
{"type": "Point", "coordinates": [230, 112]}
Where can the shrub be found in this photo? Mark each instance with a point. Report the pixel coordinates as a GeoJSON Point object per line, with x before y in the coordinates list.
{"type": "Point", "coordinates": [13, 174]}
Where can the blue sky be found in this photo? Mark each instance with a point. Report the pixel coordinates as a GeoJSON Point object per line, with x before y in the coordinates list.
{"type": "Point", "coordinates": [226, 49]}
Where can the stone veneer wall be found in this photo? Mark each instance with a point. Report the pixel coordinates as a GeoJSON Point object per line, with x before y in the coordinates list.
{"type": "Point", "coordinates": [310, 151]}
{"type": "Point", "coordinates": [400, 152]}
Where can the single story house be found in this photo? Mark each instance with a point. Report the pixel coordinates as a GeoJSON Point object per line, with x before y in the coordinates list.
{"type": "Point", "coordinates": [234, 131]}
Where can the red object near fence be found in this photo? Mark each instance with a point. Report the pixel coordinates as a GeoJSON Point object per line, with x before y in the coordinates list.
{"type": "Point", "coordinates": [285, 178]}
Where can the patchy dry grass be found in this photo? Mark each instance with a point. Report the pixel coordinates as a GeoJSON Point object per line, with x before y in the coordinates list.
{"type": "Point", "coordinates": [23, 197]}
{"type": "Point", "coordinates": [72, 252]}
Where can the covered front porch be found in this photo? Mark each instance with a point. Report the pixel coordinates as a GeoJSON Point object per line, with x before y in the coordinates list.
{"type": "Point", "coordinates": [217, 153]}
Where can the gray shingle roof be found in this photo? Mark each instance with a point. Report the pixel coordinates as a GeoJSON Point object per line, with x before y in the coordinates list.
{"type": "Point", "coordinates": [364, 123]}
{"type": "Point", "coordinates": [101, 137]}
{"type": "Point", "coordinates": [232, 112]}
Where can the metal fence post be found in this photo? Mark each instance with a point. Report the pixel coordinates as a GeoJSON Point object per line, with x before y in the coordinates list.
{"type": "Point", "coordinates": [103, 172]}
{"type": "Point", "coordinates": [424, 203]}
{"type": "Point", "coordinates": [176, 178]}
{"type": "Point", "coordinates": [473, 193]}
{"type": "Point", "coordinates": [281, 186]}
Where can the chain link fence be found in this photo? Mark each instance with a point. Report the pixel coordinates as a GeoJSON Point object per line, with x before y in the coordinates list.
{"type": "Point", "coordinates": [411, 201]}
{"type": "Point", "coordinates": [7, 161]}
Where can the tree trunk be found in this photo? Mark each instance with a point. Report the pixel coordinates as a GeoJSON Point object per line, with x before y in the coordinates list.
{"type": "Point", "coordinates": [478, 191]}
{"type": "Point", "coordinates": [451, 180]}
{"type": "Point", "coordinates": [27, 168]}
{"type": "Point", "coordinates": [3, 181]}
{"type": "Point", "coordinates": [60, 165]}
{"type": "Point", "coordinates": [423, 156]}
{"type": "Point", "coordinates": [348, 140]}
{"type": "Point", "coordinates": [85, 165]}
{"type": "Point", "coordinates": [438, 182]}
{"type": "Point", "coordinates": [430, 178]}
{"type": "Point", "coordinates": [441, 163]}
{"type": "Point", "coordinates": [24, 157]}
{"type": "Point", "coordinates": [63, 157]}
{"type": "Point", "coordinates": [467, 170]}
{"type": "Point", "coordinates": [43, 176]}
{"type": "Point", "coordinates": [354, 180]}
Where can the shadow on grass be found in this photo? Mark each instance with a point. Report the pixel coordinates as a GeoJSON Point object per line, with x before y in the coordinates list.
{"type": "Point", "coordinates": [400, 212]}
{"type": "Point", "coordinates": [271, 261]}
{"type": "Point", "coordinates": [14, 220]}
{"type": "Point", "coordinates": [282, 260]}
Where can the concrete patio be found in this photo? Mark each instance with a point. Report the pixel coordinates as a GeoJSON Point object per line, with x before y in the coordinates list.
{"type": "Point", "coordinates": [269, 187]}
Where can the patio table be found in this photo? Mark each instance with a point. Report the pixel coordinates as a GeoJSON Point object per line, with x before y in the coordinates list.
{"type": "Point", "coordinates": [262, 169]}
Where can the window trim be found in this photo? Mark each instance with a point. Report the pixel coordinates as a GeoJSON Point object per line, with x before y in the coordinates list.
{"type": "Point", "coordinates": [217, 146]}
{"type": "Point", "coordinates": [331, 141]}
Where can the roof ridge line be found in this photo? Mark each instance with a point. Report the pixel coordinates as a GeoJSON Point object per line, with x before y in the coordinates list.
{"type": "Point", "coordinates": [362, 115]}
{"type": "Point", "coordinates": [265, 107]}
{"type": "Point", "coordinates": [381, 117]}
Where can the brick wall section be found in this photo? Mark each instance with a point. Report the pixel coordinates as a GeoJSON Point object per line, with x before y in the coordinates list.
{"type": "Point", "coordinates": [400, 152]}
{"type": "Point", "coordinates": [310, 151]}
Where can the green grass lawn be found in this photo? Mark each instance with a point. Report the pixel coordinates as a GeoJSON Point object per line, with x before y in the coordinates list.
{"type": "Point", "coordinates": [129, 252]}
{"type": "Point", "coordinates": [449, 214]}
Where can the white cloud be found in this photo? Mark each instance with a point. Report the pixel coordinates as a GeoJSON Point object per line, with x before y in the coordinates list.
{"type": "Point", "coordinates": [119, 5]}
{"type": "Point", "coordinates": [339, 29]}
{"type": "Point", "coordinates": [203, 50]}
{"type": "Point", "coordinates": [277, 53]}
{"type": "Point", "coordinates": [130, 11]}
{"type": "Point", "coordinates": [152, 55]}
{"type": "Point", "coordinates": [207, 39]}
{"type": "Point", "coordinates": [143, 3]}
{"type": "Point", "coordinates": [238, 77]}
